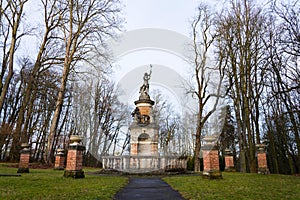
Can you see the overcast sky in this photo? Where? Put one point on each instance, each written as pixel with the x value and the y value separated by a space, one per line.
pixel 165 14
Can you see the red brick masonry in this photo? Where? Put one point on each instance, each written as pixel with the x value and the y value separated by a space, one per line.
pixel 229 161
pixel 59 162
pixel 74 159
pixel 262 160
pixel 24 160
pixel 211 160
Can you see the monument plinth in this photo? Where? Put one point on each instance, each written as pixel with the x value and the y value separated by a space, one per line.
pixel 211 166
pixel 262 159
pixel 74 158
pixel 24 158
pixel 229 162
pixel 59 159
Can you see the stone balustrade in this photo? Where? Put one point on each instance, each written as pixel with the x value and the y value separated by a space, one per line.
pixel 143 163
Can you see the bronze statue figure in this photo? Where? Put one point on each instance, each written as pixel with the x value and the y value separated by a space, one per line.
pixel 145 87
pixel 136 115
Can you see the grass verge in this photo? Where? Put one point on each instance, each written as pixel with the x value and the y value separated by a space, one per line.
pixel 50 184
pixel 237 186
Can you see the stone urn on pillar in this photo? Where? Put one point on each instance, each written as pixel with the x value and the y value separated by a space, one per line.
pixel 229 162
pixel 59 159
pixel 262 159
pixel 24 158
pixel 211 168
pixel 75 158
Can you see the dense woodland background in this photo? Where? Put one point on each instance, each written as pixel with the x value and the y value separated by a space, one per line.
pixel 65 88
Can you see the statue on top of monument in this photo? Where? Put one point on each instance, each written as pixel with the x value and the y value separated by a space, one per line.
pixel 144 89
pixel 141 114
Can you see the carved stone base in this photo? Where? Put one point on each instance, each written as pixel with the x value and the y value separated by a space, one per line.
pixel 263 170
pixel 59 168
pixel 212 174
pixel 23 170
pixel 230 169
pixel 74 173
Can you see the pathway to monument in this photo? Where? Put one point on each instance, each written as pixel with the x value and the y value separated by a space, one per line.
pixel 147 189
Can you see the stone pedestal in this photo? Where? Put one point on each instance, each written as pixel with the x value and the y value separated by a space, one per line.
pixel 229 162
pixel 24 158
pixel 211 166
pixel 60 159
pixel 74 159
pixel 262 159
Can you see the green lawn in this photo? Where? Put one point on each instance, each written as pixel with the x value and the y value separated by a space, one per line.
pixel 237 186
pixel 50 184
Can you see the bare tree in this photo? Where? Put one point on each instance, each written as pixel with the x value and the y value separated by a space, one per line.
pixel 84 27
pixel 45 58
pixel 281 99
pixel 99 116
pixel 289 75
pixel 205 75
pixel 169 123
pixel 9 115
pixel 11 16
pixel 241 31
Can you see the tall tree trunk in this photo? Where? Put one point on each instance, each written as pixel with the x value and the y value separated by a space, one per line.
pixel 69 53
pixel 14 23
pixel 198 144
pixel 57 112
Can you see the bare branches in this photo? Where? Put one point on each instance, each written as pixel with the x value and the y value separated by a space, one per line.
pixel 13 13
pixel 85 23
pixel 208 78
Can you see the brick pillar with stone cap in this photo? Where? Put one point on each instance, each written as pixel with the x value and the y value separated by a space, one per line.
pixel 74 158
pixel 24 158
pixel 211 166
pixel 229 162
pixel 262 159
pixel 59 159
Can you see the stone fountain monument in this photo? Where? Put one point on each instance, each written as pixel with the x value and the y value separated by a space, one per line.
pixel 144 131
pixel 144 155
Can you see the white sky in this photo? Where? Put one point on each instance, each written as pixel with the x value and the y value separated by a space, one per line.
pixel 165 14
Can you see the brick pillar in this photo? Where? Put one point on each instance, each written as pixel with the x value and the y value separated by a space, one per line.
pixel 133 149
pixel 262 159
pixel 24 158
pixel 74 158
pixel 229 162
pixel 211 166
pixel 60 159
pixel 154 148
